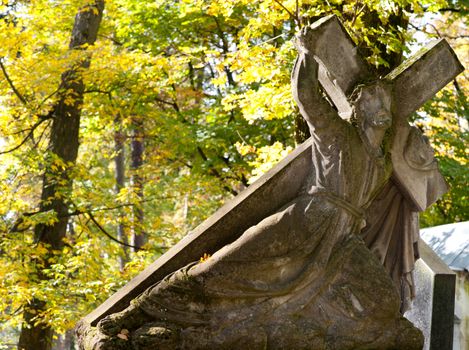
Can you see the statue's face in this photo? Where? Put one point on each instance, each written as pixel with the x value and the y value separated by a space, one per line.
pixel 418 153
pixel 373 106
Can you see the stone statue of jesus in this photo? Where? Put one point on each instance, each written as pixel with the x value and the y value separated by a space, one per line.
pixel 302 278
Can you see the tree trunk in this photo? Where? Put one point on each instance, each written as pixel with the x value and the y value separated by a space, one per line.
pixel 57 184
pixel 119 162
pixel 396 22
pixel 138 238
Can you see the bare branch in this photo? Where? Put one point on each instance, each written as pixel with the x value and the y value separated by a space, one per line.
pixel 108 234
pixel 10 82
pixel 437 32
pixel 28 136
pixel 50 95
pixel 295 18
pixel 214 171
pixel 98 91
pixel 449 9
pixel 357 12
pixel 114 40
pixel 79 212
pixel 172 104
pixel 297 12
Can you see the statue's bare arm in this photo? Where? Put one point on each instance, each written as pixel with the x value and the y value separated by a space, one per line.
pixel 305 86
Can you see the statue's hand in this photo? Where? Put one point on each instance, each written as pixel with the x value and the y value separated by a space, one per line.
pixel 303 40
pixel 110 325
pixel 300 45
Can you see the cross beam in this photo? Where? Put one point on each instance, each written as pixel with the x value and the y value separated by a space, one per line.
pixel 421 76
pixel 414 82
pixel 342 67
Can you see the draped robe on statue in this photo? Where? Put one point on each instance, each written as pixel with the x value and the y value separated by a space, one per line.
pixel 392 230
pixel 295 243
pixel 287 252
pixel 392 234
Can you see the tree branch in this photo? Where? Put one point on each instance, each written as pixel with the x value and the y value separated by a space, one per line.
pixel 437 32
pixel 114 40
pixel 91 216
pixel 172 104
pixel 28 136
pixel 449 9
pixel 295 18
pixel 10 82
pixel 214 171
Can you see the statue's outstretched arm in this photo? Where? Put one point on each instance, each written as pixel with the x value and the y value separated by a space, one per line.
pixel 305 85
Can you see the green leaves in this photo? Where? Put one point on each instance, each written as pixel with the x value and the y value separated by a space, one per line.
pixel 210 82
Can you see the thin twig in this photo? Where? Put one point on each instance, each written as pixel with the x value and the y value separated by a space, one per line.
pixel 108 234
pixel 449 9
pixel 297 13
pixel 356 14
pixel 22 142
pixel 289 12
pixel 271 39
pixel 26 138
pixel 41 136
pixel 437 32
pixel 10 82
pixel 50 95
pixel 215 172
pixel 115 41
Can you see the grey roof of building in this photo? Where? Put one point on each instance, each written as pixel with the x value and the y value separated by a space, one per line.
pixel 450 242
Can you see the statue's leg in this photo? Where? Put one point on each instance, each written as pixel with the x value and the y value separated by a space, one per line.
pixel 268 259
pixel 130 318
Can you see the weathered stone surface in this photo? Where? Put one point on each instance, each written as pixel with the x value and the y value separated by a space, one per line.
pixel 415 168
pixel 341 67
pixel 422 76
pixel 336 313
pixel 329 40
pixel 415 81
pixel 289 269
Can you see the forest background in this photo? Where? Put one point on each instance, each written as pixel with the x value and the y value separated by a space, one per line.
pixel 124 124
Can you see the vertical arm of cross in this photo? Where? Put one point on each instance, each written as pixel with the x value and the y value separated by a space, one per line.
pixel 341 67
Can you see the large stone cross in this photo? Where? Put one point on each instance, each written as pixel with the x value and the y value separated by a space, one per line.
pixel 342 68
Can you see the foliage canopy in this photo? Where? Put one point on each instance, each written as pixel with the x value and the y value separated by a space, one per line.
pixel 204 84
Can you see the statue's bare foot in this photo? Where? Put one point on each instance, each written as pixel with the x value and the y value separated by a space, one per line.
pixel 130 318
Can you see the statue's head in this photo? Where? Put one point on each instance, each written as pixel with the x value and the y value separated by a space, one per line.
pixel 418 153
pixel 371 104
